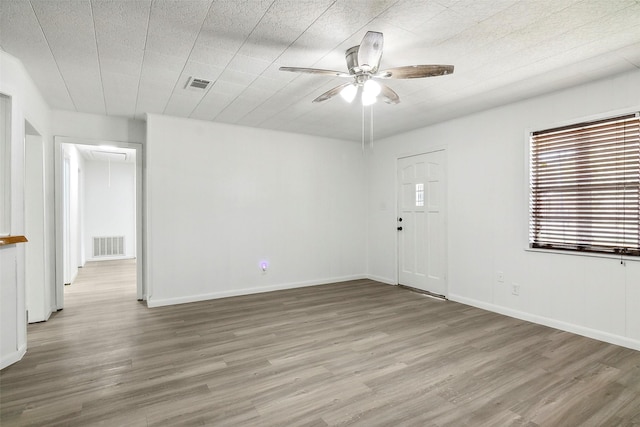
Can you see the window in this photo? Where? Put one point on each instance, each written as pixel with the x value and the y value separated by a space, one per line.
pixel 419 194
pixel 584 187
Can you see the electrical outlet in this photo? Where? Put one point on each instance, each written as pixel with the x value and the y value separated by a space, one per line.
pixel 515 289
pixel 500 276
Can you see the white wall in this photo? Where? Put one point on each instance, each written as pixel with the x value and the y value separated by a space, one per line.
pixel 96 127
pixel 487 223
pixel 38 296
pixel 27 105
pixel 222 198
pixel 109 204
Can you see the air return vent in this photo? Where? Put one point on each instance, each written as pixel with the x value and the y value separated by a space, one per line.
pixel 108 246
pixel 197 84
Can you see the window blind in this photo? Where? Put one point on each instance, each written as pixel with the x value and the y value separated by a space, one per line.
pixel 584 187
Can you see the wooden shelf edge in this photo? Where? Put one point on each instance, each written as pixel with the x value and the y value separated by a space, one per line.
pixel 12 240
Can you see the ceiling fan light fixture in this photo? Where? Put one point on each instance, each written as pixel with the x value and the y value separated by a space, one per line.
pixel 370 91
pixel 348 93
pixel 372 88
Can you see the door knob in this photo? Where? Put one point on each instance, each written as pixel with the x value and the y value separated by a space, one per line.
pixel 399 228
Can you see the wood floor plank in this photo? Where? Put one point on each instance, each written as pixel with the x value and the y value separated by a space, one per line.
pixel 357 353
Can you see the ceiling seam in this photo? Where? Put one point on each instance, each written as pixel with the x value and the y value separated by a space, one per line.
pixel 44 35
pixel 144 55
pixel 95 37
pixel 227 65
pixel 189 56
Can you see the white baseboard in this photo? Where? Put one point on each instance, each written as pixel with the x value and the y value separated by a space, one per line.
pixel 159 302
pixel 382 279
pixel 109 258
pixel 10 359
pixel 553 323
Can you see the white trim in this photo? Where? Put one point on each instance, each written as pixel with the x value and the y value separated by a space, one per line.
pixel 16 356
pixel 553 323
pixel 624 258
pixel 154 302
pixel 140 245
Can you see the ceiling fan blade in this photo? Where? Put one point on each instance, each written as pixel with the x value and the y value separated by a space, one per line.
pixel 331 92
pixel 415 71
pixel 315 71
pixel 389 95
pixel 370 51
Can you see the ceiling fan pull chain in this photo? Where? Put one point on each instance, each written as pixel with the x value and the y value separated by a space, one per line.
pixel 371 127
pixel 363 129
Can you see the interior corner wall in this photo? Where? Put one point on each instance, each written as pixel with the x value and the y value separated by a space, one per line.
pixel 223 199
pixel 27 104
pixel 488 224
pixel 109 205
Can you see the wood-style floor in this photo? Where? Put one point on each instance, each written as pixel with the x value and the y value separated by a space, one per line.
pixel 356 353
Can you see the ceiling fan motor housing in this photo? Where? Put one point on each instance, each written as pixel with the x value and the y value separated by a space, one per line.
pixel 351 55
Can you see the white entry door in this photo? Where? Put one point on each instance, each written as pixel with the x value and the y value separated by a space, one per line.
pixel 422 245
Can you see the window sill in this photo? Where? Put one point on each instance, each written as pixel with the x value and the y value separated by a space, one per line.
pixel 584 254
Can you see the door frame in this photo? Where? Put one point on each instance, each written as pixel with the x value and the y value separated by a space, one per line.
pixel 431 149
pixel 141 290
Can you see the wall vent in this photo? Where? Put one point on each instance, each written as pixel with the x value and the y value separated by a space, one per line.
pixel 197 84
pixel 108 246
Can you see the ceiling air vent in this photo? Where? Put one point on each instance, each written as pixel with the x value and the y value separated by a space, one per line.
pixel 197 84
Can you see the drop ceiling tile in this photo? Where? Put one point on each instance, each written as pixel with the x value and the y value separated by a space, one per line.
pixel 121 91
pixel 268 84
pixel 229 23
pixel 480 10
pixel 211 105
pixel 412 14
pixel 124 63
pixel 159 68
pixel 228 88
pixel 121 27
pixel 174 25
pixel 256 118
pixel 247 64
pixel 211 55
pixel 182 103
pixel 237 77
pixel 235 110
pixel 84 83
pixel 152 98
pixel 444 26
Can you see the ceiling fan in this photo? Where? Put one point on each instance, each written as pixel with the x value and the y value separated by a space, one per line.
pixel 363 62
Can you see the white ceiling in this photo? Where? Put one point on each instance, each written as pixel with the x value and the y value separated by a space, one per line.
pixel 131 57
pixel 106 153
